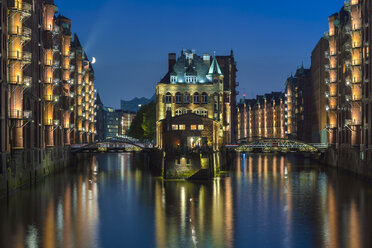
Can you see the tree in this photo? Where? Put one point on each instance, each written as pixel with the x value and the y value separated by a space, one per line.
pixel 143 126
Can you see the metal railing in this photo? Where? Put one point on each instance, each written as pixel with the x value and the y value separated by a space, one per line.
pixel 23 32
pixel 20 55
pixel 20 114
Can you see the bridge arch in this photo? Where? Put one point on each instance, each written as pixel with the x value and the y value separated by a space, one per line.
pixel 277 144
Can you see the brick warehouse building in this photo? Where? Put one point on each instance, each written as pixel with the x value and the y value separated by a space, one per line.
pixel 47 89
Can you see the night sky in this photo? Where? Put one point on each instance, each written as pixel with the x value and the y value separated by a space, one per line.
pixel 131 39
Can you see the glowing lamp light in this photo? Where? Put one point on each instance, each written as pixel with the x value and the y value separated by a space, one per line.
pixel 94 60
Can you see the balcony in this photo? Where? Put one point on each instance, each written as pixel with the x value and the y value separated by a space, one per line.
pixel 56 64
pixel 330 126
pixel 27 81
pixel 56 30
pixel 25 57
pixel 329 81
pixel 24 33
pixel 348 29
pixel 56 123
pixel 353 122
pixel 56 48
pixel 19 81
pixel 48 98
pixel 56 82
pixel 347 46
pixel 326 35
pixel 330 108
pixel 356 98
pixel 357 62
pixel 20 115
pixel 329 68
pixel 327 55
pixel 357 45
pixel 24 8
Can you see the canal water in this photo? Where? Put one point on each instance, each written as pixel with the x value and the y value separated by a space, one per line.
pixel 267 201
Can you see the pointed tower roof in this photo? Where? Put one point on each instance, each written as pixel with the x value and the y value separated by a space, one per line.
pixel 215 68
pixel 98 100
pixel 77 41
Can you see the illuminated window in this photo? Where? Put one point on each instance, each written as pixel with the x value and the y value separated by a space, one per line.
pixel 193 127
pixel 182 127
pixel 174 127
pixel 201 127
pixel 173 79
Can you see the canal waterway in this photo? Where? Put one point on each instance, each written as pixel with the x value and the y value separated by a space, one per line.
pixel 267 201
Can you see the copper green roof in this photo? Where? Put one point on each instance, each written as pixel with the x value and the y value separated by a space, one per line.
pixel 215 68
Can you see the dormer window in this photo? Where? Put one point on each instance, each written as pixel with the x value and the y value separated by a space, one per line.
pixel 173 79
pixel 190 79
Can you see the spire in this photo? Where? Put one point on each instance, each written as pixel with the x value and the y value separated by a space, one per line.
pixel 98 100
pixel 215 68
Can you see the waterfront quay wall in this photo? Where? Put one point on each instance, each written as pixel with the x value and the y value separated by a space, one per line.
pixel 196 165
pixel 23 168
pixel 350 159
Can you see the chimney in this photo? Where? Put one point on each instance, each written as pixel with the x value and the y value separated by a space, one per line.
pixel 207 59
pixel 171 60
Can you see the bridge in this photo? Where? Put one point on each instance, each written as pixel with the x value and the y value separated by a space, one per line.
pixel 268 145
pixel 116 145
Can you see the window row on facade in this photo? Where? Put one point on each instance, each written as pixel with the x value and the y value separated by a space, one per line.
pixel 179 98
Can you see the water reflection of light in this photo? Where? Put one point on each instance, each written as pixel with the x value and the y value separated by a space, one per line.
pixel 332 219
pixel 59 220
pixel 32 237
pixel 250 169
pixel 354 227
pixel 183 208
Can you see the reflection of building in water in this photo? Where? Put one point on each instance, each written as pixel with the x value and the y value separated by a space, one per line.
pixel 70 220
pixel 187 214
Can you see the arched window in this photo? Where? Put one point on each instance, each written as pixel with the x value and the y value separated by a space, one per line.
pixel 204 98
pixel 178 98
pixel 181 111
pixel 186 98
pixel 168 98
pixel 196 98
pixel 202 112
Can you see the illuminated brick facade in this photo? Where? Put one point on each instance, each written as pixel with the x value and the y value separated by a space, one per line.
pixel 348 70
pixel 263 117
pixel 37 81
